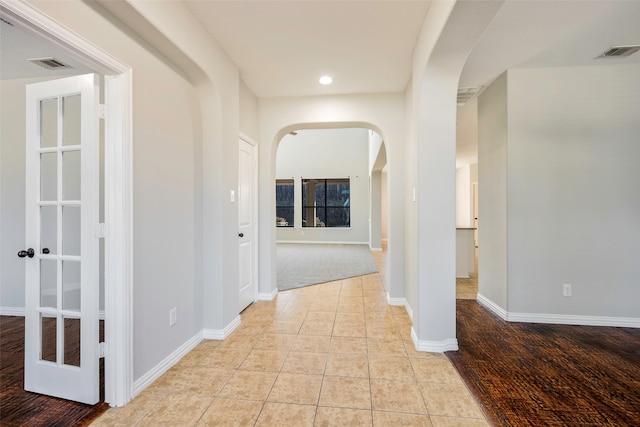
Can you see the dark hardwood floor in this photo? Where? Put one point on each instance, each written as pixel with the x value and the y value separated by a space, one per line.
pixel 548 375
pixel 21 408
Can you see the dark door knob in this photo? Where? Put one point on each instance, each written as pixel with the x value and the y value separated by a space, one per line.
pixel 29 252
pixel 45 251
pixel 240 234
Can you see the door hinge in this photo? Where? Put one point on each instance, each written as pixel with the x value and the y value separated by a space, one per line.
pixel 102 349
pixel 101 231
pixel 102 111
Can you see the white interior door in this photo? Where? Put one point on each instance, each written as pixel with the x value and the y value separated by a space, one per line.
pixel 61 289
pixel 247 216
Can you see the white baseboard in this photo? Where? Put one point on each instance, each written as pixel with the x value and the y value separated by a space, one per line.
pixel 220 334
pixel 569 319
pixel 162 367
pixel 559 319
pixel 375 249
pixel 449 344
pixel 11 311
pixel 463 277
pixel 401 302
pixel 267 296
pixel 495 308
pixel 409 310
pixel 395 301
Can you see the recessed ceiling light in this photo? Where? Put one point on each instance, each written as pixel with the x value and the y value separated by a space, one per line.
pixel 326 80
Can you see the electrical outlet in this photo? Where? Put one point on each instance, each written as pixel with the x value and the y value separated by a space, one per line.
pixel 173 316
pixel 566 290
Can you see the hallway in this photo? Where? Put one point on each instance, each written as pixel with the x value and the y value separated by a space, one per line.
pixel 329 354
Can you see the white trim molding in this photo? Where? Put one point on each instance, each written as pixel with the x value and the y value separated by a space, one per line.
pixel 409 310
pixel 156 372
pixel 220 334
pixel 400 302
pixel 495 308
pixel 267 296
pixel 396 301
pixel 11 311
pixel 559 319
pixel 571 319
pixel 449 344
pixel 119 241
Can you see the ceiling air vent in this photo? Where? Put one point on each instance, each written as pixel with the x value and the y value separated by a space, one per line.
pixel 466 93
pixel 50 63
pixel 620 51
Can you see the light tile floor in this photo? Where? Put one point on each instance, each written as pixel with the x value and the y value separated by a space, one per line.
pixel 333 354
pixel 467 288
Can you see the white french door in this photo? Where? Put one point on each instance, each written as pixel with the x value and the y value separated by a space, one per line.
pixel 62 252
pixel 247 218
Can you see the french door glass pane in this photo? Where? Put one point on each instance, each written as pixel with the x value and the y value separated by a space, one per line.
pixel 71 230
pixel 49 176
pixel 71 175
pixel 71 285
pixel 48 283
pixel 49 228
pixel 49 122
pixel 71 120
pixel 48 340
pixel 71 341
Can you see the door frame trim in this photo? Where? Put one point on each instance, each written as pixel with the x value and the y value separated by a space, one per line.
pixel 118 193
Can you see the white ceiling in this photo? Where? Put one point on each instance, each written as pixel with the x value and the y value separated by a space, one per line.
pixel 283 47
pixel 532 34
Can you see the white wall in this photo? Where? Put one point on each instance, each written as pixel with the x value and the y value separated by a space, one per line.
pixel 328 153
pixel 573 187
pixel 467 133
pixel 377 161
pixel 560 191
pixel 384 226
pixel 248 113
pixel 492 190
pixel 375 145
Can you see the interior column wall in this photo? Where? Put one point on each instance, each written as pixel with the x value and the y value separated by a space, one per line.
pixel 449 33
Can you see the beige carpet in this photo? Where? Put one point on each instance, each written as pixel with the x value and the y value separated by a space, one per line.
pixel 309 264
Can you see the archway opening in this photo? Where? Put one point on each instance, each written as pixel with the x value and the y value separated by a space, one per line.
pixel 328 200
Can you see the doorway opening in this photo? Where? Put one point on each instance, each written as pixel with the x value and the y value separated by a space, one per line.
pixel 40 31
pixel 329 204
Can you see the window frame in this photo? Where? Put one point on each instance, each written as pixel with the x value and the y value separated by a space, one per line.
pixel 325 206
pixel 281 183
